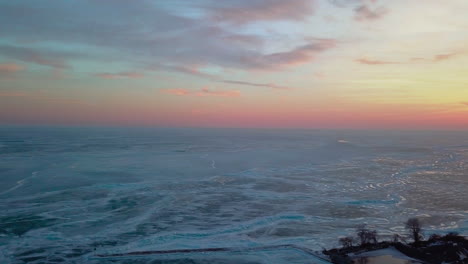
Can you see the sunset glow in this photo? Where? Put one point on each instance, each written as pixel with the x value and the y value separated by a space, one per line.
pixel 384 64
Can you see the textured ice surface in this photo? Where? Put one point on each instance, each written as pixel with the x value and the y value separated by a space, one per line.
pixel 67 194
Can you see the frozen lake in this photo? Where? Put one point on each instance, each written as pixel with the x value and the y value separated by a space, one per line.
pixel 68 193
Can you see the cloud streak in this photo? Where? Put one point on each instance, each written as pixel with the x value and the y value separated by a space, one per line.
pixel 49 58
pixel 438 57
pixel 159 36
pixel 366 13
pixel 266 85
pixel 248 11
pixel 300 55
pixel 442 57
pixel 203 92
pixel 190 70
pixel 10 68
pixel 120 75
pixel 374 62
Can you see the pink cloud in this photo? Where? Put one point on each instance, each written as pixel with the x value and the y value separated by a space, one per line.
pixel 374 62
pixel 248 11
pixel 267 85
pixel 176 91
pixel 464 103
pixel 441 57
pixel 365 13
pixel 257 61
pixel 120 75
pixel 299 55
pixel 205 91
pixel 437 57
pixel 244 39
pixel 41 57
pixel 55 63
pixel 223 93
pixel 10 68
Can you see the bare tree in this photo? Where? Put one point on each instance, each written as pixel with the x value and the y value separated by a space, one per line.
pixel 366 236
pixel 346 242
pixel 372 236
pixel 397 238
pixel 362 260
pixel 414 227
pixel 361 232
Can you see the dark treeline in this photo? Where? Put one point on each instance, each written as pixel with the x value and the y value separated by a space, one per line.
pixel 448 248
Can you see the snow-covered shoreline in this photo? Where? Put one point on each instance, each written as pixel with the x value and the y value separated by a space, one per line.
pixel 450 248
pixel 387 255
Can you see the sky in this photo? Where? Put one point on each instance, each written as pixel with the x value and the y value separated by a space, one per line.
pixel 358 64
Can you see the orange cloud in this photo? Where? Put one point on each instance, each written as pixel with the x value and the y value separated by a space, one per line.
pixel 437 57
pixel 441 57
pixel 205 91
pixel 176 91
pixel 374 62
pixel 10 68
pixel 120 75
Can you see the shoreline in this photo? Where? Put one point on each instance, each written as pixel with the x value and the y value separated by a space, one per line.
pixel 450 249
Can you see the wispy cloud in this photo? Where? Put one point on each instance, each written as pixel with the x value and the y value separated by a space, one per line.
pixel 267 85
pixel 49 58
pixel 8 68
pixel 224 93
pixel 120 75
pixel 205 91
pixel 299 55
pixel 418 59
pixel 434 59
pixel 464 103
pixel 374 62
pixel 346 3
pixel 177 91
pixel 162 34
pixel 366 13
pixel 190 70
pixel 246 11
pixel 438 57
pixel 247 60
pixel 441 57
